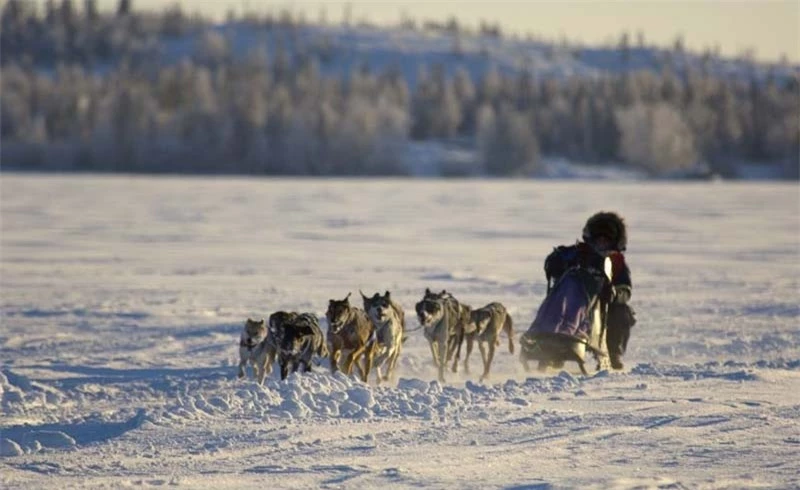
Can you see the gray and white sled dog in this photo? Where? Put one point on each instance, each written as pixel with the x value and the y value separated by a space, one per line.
pixel 387 341
pixel 302 339
pixel 253 349
pixel 443 319
pixel 484 327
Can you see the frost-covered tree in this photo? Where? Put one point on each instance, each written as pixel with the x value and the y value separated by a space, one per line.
pixel 129 120
pixel 90 10
pixel 507 143
pixel 213 49
pixel 436 107
pixel 656 138
pixel 490 86
pixel 465 93
pixel 174 22
pixel 123 7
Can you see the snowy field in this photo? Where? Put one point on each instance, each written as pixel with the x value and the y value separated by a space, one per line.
pixel 123 298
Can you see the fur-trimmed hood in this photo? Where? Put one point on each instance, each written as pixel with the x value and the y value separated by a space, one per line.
pixel 610 224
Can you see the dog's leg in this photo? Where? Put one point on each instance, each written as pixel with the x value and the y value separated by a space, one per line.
pixel 391 356
pixel 258 367
pixel 270 358
pixel 482 348
pixel 392 353
pixel 335 354
pixel 351 360
pixel 382 359
pixel 389 360
pixel 454 348
pixel 488 363
pixel 242 366
pixel 434 354
pixel 508 327
pixel 379 360
pixel 387 363
pixel 369 362
pixel 461 331
pixel 347 367
pixel 470 345
pixel 393 362
pixel 284 369
pixel 442 350
pixel 453 344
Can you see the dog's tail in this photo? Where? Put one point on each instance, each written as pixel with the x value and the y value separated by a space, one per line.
pixel 508 327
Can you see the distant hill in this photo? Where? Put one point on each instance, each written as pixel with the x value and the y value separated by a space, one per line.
pixel 166 92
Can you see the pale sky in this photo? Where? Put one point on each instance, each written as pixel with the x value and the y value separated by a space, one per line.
pixel 770 27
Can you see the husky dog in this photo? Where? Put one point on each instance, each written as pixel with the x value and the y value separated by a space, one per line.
pixel 463 313
pixel 484 327
pixel 301 340
pixel 275 323
pixel 387 317
pixel 349 328
pixel 444 320
pixel 253 348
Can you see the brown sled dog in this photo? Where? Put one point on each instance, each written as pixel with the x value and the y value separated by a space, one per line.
pixel 484 327
pixel 349 329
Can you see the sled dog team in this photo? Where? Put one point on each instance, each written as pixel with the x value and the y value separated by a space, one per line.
pixel 586 311
pixel 372 337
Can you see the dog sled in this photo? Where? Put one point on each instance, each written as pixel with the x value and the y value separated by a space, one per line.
pixel 571 321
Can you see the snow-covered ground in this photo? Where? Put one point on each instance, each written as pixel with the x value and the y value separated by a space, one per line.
pixel 123 298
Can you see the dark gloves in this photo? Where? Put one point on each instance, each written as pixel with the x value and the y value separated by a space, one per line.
pixel 620 317
pixel 622 294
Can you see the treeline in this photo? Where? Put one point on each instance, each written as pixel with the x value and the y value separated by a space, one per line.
pixel 62 33
pixel 257 114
